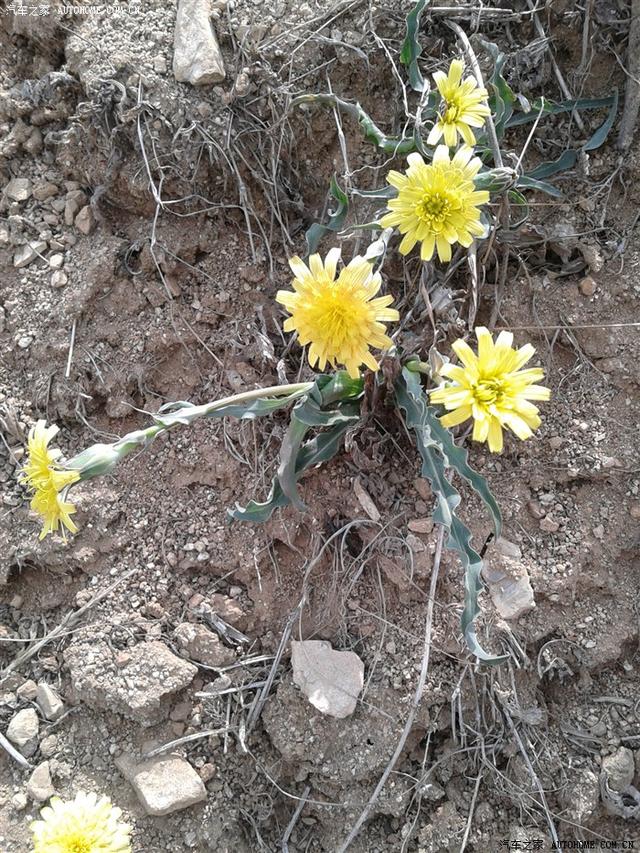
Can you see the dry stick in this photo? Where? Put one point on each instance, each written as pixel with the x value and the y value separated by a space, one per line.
pixel 556 69
pixel 70 619
pixel 20 759
pixel 417 696
pixel 472 809
pixel 632 91
pixel 294 819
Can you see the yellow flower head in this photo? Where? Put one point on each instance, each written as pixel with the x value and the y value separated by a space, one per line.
pixel 463 107
pixel 339 317
pixel 437 203
pixel 84 825
pixel 43 476
pixel 491 388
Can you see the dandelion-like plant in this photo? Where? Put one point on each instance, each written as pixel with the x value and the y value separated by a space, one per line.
pixel 491 388
pixel 338 317
pixel 437 203
pixel 44 477
pixel 87 824
pixel 463 107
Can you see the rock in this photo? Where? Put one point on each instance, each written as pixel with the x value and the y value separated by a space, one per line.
pixel 19 802
pixel 85 221
pixel 138 683
pixel 25 341
pixel 165 784
pixel 59 279
pixel 56 261
pixel 420 525
pixel 48 746
pixel 29 252
pixel 203 645
pixel 49 702
pixel 509 585
pixel 45 190
pixel 581 796
pixel 160 64
pixel 39 786
pixel 227 609
pixel 23 731
pixel 619 769
pixel 331 680
pixel 549 525
pixel 28 690
pixel 18 189
pixel 587 286
pixel 196 55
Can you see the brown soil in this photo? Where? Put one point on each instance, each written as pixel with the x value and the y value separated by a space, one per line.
pixel 175 301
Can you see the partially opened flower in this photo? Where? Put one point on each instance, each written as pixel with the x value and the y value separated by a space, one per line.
pixel 84 825
pixel 48 482
pixel 463 107
pixel 491 388
pixel 338 317
pixel 437 203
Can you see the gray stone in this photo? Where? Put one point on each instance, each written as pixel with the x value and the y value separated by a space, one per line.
pixel 196 55
pixel 581 796
pixel 85 221
pixel 49 702
pixel 56 261
pixel 331 680
pixel 509 585
pixel 619 769
pixel 28 690
pixel 23 731
pixel 24 255
pixel 39 786
pixel 18 189
pixel 45 190
pixel 59 279
pixel 203 645
pixel 48 746
pixel 138 683
pixel 164 784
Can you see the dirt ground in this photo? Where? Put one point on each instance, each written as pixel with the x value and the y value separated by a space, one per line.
pixel 161 217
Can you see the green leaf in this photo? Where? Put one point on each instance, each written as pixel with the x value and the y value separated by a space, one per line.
pixel 552 108
pixel 320 449
pixel 372 133
pixel 528 183
pixel 411 48
pixel 178 412
pixel 438 450
pixel 501 96
pixel 336 218
pixel 518 202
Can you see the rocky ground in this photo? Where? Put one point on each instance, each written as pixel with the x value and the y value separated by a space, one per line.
pixel 145 226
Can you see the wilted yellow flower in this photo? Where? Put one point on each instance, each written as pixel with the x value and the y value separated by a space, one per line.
pixel 463 107
pixel 437 203
pixel 84 825
pixel 339 318
pixel 491 388
pixel 46 479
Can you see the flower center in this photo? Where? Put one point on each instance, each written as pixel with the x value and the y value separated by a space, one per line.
pixel 77 845
pixel 489 391
pixel 451 113
pixel 434 207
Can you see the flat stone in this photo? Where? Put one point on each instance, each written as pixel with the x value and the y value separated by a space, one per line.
pixel 509 585
pixel 23 731
pixel 164 784
pixel 39 786
pixel 139 682
pixel 49 702
pixel 18 189
pixel 28 690
pixel 45 190
pixel 203 645
pixel 619 769
pixel 24 255
pixel 85 220
pixel 196 55
pixel 331 680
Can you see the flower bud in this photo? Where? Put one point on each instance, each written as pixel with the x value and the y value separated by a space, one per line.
pixel 496 180
pixel 94 461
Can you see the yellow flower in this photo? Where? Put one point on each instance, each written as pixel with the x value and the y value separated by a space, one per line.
pixel 492 389
pixel 463 107
pixel 437 203
pixel 338 317
pixel 43 476
pixel 84 825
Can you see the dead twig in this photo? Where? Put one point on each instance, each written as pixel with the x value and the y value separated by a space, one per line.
pixel 417 696
pixel 294 819
pixel 632 91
